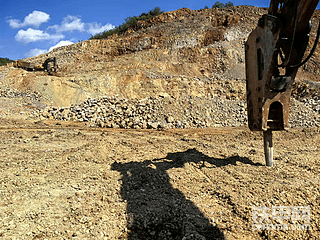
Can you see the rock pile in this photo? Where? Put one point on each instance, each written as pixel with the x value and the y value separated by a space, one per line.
pixel 303 113
pixel 154 113
pixel 308 92
pixel 313 103
pixel 10 93
pixel 165 112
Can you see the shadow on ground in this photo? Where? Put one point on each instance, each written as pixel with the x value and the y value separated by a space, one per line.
pixel 156 210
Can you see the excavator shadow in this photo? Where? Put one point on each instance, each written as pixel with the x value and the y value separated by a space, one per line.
pixel 157 210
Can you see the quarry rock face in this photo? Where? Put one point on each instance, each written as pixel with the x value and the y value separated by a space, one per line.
pixel 186 63
pixel 178 53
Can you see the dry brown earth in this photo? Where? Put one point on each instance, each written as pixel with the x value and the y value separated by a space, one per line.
pixel 69 181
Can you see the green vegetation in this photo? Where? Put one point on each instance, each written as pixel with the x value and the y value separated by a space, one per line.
pixel 218 4
pixel 4 61
pixel 129 22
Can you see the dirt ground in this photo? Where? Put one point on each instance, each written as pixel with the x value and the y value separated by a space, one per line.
pixel 63 180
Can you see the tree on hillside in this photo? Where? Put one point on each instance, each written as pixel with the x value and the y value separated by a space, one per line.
pixel 155 12
pixel 4 61
pixel 229 4
pixel 219 4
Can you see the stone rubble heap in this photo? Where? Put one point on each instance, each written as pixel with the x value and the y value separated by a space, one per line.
pixel 313 103
pixel 154 113
pixel 308 92
pixel 166 112
pixel 303 113
pixel 305 104
pixel 163 112
pixel 10 93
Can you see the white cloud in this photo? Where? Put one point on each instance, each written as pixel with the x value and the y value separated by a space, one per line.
pixel 73 23
pixel 35 52
pixel 35 19
pixel 14 23
pixel 32 35
pixel 60 44
pixel 69 24
pixel 94 28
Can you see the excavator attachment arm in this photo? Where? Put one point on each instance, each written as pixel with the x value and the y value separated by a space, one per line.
pixel 274 52
pixel 46 65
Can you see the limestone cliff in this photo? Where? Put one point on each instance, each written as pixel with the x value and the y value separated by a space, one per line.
pixel 179 53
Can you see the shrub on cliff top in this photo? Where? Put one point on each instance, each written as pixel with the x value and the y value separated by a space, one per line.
pixel 218 4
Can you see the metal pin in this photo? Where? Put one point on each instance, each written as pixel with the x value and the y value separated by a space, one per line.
pixel 268 147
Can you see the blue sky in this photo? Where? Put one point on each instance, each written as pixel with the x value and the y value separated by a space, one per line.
pixel 30 27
